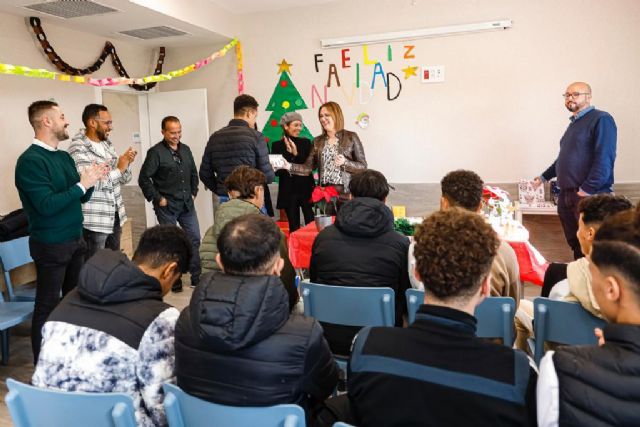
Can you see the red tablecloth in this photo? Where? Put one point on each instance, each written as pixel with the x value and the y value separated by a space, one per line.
pixel 532 264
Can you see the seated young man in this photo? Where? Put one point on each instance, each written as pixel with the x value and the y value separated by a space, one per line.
pixel 463 189
pixel 113 333
pixel 437 372
pixel 237 344
pixel 362 249
pixel 600 385
pixel 576 287
pixel 245 186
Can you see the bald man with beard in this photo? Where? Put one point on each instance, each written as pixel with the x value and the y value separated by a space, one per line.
pixel 584 166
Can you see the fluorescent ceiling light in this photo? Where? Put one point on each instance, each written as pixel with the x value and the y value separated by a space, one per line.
pixel 415 34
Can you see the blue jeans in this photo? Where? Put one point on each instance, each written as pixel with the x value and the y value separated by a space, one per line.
pixel 96 240
pixel 188 221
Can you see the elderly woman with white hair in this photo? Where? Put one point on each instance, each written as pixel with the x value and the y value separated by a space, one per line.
pixel 294 191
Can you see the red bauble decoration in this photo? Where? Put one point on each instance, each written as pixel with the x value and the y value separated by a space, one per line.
pixel 274 123
pixel 283 83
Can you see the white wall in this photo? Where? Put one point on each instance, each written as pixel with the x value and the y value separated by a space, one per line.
pixel 219 78
pixel 499 112
pixel 18 47
pixel 125 114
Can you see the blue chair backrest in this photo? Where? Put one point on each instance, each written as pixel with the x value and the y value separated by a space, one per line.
pixel 495 315
pixel 495 318
pixel 32 406
pixel 184 410
pixel 562 322
pixel 351 306
pixel 13 254
pixel 415 298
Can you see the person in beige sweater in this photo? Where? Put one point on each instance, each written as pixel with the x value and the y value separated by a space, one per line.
pixel 577 286
pixel 463 189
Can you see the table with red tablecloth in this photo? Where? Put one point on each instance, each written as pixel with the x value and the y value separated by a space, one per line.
pixel 532 264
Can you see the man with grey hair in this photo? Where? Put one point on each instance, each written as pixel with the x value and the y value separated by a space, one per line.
pixel 294 192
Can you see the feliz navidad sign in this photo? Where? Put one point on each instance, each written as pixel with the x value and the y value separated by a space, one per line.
pixel 361 74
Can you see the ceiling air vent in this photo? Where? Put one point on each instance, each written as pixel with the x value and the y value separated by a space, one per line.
pixel 71 8
pixel 153 33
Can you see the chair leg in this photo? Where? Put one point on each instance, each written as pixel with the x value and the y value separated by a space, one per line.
pixel 5 346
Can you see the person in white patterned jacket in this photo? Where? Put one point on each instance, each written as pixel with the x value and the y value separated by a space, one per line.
pixel 104 213
pixel 113 333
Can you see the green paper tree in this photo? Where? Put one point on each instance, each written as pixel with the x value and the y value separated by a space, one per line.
pixel 285 99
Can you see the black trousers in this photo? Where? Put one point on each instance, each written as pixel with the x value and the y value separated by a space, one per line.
pixel 568 212
pixel 297 202
pixel 58 267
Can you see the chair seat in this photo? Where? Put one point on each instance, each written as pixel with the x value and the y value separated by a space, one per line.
pixel 14 313
pixel 24 292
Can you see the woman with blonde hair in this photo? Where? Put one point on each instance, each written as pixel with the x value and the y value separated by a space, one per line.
pixel 337 152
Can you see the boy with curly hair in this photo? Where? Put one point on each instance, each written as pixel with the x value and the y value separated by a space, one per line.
pixel 437 372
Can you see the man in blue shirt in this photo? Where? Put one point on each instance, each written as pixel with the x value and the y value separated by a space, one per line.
pixel 584 166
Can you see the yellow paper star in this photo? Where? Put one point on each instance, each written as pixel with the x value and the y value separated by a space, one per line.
pixel 409 71
pixel 284 66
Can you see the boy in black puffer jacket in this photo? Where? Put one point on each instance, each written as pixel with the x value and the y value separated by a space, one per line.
pixel 236 343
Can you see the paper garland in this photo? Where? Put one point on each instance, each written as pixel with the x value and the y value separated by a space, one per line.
pixel 240 68
pixel 40 73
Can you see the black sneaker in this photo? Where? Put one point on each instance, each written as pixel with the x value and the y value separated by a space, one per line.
pixel 177 287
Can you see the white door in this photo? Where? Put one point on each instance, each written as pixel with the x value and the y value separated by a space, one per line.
pixel 190 106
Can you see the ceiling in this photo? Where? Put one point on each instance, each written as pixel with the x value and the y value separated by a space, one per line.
pixel 129 16
pixel 252 6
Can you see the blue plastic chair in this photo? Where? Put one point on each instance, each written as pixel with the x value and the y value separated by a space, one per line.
pixel 350 306
pixel 495 315
pixel 11 314
pixel 184 410
pixel 415 298
pixel 32 406
pixel 13 254
pixel 564 323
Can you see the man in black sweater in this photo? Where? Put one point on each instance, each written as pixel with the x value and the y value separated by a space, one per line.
pixel 437 372
pixel 234 145
pixel 600 385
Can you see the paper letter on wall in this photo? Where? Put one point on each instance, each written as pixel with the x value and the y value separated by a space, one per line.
pixel 333 71
pixel 407 52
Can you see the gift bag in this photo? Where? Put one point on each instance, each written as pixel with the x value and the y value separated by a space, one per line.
pixel 528 194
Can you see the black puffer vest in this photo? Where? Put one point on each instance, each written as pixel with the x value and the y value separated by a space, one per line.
pixel 600 386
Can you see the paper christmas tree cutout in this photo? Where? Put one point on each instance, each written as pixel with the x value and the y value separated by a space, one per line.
pixel 285 99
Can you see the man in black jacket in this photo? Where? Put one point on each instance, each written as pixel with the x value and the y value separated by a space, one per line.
pixel 362 249
pixel 169 179
pixel 236 343
pixel 234 145
pixel 113 333
pixel 600 385
pixel 437 372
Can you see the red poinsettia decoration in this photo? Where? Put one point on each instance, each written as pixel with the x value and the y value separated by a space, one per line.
pixel 321 196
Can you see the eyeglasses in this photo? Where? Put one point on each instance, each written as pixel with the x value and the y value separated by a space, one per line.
pixel 574 95
pixel 107 122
